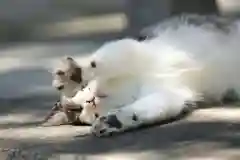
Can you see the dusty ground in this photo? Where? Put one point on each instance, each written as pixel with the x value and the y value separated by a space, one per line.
pixel 206 134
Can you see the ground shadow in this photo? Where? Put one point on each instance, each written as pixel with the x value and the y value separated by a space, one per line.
pixel 139 14
pixel 164 139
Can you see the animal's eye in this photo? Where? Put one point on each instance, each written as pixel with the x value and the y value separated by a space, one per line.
pixel 59 72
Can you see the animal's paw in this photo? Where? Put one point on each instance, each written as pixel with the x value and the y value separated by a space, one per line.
pixel 107 126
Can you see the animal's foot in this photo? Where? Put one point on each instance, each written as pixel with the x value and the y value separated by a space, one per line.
pixel 107 126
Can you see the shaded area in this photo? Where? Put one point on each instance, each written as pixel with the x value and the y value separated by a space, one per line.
pixel 165 137
pixel 25 111
pixel 28 20
pixel 33 20
pixel 180 139
pixel 25 68
pixel 22 105
pixel 24 79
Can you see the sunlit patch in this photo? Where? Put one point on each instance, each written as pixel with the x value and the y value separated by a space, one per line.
pixel 86 25
pixel 18 118
pixel 41 133
pixel 226 114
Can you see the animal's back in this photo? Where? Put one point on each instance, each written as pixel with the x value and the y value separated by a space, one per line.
pixel 199 53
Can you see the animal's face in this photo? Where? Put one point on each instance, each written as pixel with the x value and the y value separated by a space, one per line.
pixel 67 75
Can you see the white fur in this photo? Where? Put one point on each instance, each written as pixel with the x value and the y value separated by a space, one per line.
pixel 154 78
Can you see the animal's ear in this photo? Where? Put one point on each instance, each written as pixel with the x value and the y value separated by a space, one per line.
pixel 76 75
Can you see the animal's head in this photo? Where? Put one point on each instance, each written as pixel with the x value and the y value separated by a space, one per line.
pixel 68 75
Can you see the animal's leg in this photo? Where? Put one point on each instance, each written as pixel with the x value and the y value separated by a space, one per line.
pixel 59 115
pixel 59 118
pixel 153 108
pixel 56 107
pixel 62 113
pixel 86 108
pixel 85 102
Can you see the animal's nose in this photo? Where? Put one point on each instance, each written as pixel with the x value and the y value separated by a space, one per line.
pixel 60 87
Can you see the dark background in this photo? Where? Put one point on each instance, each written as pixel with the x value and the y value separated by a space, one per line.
pixel 35 32
pixel 24 20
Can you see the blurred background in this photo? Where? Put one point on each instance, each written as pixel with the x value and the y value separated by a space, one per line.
pixel 34 33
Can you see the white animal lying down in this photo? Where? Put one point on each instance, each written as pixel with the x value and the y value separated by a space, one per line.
pixel 150 81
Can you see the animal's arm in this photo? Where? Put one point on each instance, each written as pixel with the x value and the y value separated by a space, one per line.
pixel 64 111
pixel 58 116
pixel 86 101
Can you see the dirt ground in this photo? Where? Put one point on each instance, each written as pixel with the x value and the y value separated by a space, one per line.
pixel 206 134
